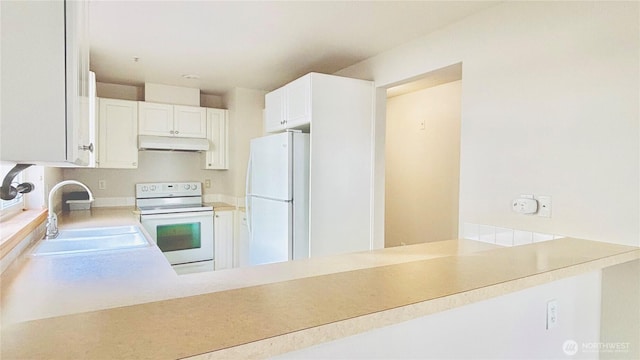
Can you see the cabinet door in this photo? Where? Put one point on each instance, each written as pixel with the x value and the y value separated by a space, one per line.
pixel 155 119
pixel 45 78
pixel 274 111
pixel 217 157
pixel 117 134
pixel 223 237
pixel 78 83
pixel 190 121
pixel 298 102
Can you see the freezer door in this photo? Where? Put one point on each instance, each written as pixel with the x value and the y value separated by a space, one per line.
pixel 271 168
pixel 270 239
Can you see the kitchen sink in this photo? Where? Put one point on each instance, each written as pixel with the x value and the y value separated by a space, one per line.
pixel 92 239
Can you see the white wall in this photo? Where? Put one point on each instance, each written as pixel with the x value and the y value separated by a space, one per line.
pixel 508 327
pixel 137 93
pixel 245 123
pixel 153 166
pixel 550 106
pixel 122 92
pixel 423 165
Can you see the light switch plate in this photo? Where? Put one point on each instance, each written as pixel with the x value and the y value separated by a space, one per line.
pixel 544 206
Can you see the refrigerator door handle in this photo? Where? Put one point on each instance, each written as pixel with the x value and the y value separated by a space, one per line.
pixel 247 194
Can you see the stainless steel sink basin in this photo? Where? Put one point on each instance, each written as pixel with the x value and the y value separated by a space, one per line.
pixel 92 239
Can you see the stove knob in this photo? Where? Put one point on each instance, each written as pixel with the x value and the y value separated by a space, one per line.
pixel 145 188
pixel 187 186
pixel 153 188
pixel 194 186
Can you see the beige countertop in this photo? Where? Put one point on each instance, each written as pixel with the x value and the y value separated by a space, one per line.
pixel 143 275
pixel 130 304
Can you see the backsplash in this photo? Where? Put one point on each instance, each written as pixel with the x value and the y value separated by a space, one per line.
pixel 504 236
pixel 131 201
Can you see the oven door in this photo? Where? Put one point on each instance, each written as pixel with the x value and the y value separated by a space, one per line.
pixel 182 237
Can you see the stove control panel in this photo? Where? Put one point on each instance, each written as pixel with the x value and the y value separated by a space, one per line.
pixel 179 189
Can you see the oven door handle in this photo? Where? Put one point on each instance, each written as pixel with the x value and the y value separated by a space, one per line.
pixel 176 215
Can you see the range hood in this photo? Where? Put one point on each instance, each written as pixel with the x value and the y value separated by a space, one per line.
pixel 146 142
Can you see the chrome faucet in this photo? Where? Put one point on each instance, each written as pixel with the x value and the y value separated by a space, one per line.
pixel 52 219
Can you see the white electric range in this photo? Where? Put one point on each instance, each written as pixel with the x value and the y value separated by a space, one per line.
pixel 179 223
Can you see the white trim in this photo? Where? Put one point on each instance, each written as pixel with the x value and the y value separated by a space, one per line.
pixel 35 235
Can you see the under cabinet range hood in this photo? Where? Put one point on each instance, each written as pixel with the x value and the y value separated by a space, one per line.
pixel 146 142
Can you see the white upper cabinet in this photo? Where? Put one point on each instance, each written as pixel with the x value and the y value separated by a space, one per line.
pixel 298 102
pixel 117 134
pixel 78 83
pixel 289 107
pixel 45 82
pixel 189 121
pixel 274 111
pixel 172 120
pixel 217 157
pixel 155 119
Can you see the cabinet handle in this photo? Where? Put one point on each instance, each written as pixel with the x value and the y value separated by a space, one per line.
pixel 177 132
pixel 170 131
pixel 209 164
pixel 86 147
pixel 217 216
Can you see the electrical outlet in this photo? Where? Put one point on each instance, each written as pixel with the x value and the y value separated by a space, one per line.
pixel 552 314
pixel 207 183
pixel 102 184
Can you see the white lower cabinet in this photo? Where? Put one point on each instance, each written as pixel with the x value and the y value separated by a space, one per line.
pixel 117 134
pixel 223 237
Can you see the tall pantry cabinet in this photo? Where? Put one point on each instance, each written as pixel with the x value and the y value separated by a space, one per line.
pixel 338 113
pixel 45 82
pixel 217 157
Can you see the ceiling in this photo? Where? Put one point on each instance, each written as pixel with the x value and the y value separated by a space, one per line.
pixel 256 45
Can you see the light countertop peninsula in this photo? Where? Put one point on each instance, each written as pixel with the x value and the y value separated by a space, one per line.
pixel 130 303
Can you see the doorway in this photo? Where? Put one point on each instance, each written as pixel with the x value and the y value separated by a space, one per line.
pixel 422 158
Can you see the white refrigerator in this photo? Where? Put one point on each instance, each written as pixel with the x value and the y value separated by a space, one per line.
pixel 277 198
